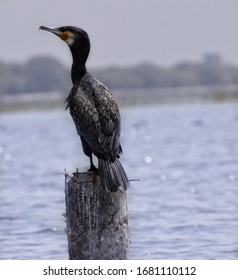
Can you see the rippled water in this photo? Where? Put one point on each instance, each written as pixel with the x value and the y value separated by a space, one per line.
pixel 185 205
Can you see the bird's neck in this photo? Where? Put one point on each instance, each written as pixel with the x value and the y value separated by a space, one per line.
pixel 77 72
pixel 78 69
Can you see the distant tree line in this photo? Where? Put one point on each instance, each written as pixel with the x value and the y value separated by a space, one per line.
pixel 44 74
pixel 41 74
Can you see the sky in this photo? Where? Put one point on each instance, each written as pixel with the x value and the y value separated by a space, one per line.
pixel 123 32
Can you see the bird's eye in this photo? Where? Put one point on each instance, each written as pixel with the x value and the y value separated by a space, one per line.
pixel 64 36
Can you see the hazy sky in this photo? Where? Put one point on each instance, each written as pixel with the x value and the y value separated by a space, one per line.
pixel 123 31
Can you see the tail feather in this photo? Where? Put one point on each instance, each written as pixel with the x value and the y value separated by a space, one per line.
pixel 112 175
pixel 123 175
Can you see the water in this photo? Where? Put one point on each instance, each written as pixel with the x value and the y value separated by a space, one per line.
pixel 185 205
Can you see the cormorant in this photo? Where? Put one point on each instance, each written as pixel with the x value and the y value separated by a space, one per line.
pixel 94 112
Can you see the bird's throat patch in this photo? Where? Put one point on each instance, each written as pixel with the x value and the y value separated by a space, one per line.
pixel 64 36
pixel 68 37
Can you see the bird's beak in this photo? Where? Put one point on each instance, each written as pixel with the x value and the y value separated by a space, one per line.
pixel 63 35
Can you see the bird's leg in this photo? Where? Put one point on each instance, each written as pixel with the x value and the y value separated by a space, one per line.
pixel 92 168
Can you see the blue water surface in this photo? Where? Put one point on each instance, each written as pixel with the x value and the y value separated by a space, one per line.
pixel 185 205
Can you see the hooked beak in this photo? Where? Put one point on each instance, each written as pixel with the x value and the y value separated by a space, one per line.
pixel 64 35
pixel 52 30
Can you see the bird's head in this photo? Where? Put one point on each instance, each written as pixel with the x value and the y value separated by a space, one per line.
pixel 70 34
pixel 78 41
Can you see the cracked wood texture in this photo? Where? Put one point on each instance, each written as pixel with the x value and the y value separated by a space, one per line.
pixel 96 220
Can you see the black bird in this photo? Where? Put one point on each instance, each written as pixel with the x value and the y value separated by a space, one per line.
pixel 94 112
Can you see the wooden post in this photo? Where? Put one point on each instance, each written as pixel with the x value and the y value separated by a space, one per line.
pixel 96 220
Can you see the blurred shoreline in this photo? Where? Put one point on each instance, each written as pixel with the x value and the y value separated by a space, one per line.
pixel 126 97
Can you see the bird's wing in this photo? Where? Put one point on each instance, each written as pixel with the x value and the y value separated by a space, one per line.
pixel 97 118
pixel 107 109
pixel 109 116
pixel 84 114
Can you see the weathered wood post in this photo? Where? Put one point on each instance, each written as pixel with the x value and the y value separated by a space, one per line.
pixel 96 220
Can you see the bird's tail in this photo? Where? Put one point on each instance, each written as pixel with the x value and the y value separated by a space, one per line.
pixel 112 175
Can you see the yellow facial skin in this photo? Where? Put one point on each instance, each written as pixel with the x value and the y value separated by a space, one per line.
pixel 64 35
